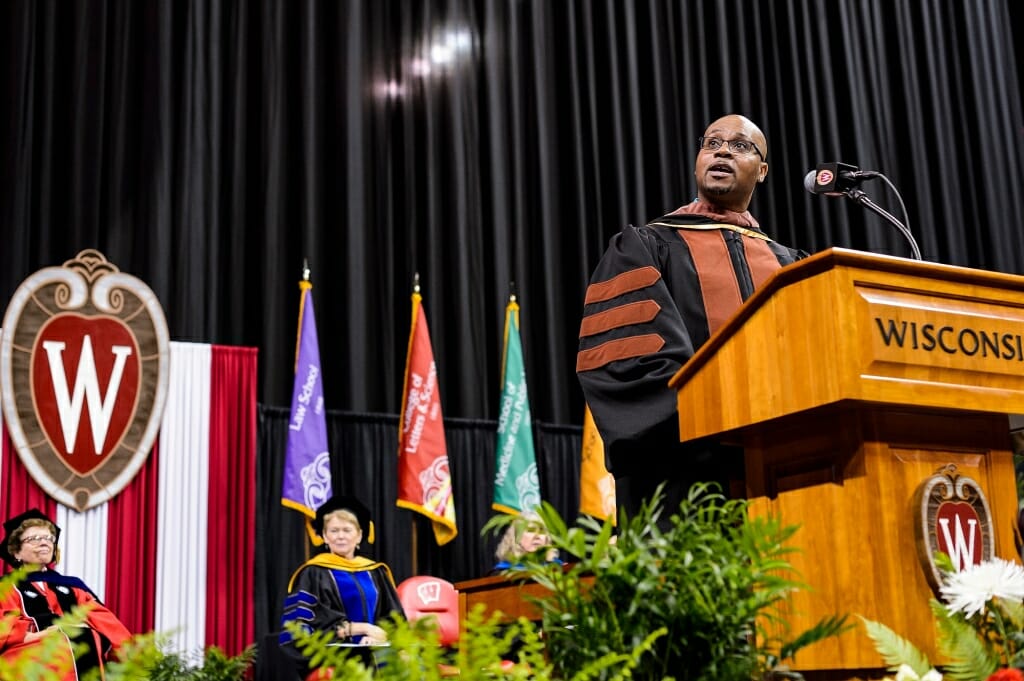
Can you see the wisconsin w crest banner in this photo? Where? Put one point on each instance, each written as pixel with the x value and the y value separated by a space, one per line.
pixel 83 372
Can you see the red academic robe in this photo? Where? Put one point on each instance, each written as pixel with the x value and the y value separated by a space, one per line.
pixel 35 604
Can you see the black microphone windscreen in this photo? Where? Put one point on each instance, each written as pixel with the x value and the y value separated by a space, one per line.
pixel 809 181
pixel 830 179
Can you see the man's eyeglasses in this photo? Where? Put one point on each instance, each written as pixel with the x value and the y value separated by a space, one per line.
pixel 736 146
pixel 43 538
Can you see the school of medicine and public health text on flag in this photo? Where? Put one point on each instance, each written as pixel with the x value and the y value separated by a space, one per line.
pixel 516 483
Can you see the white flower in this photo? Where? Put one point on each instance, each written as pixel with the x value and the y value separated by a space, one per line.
pixel 970 590
pixel 905 673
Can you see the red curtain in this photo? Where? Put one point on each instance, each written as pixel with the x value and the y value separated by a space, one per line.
pixel 133 515
pixel 20 491
pixel 131 548
pixel 229 571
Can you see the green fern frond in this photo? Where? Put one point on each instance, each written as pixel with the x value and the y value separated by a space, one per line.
pixel 826 628
pixel 970 657
pixel 1014 611
pixel 618 666
pixel 894 649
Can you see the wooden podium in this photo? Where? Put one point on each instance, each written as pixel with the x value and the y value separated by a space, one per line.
pixel 498 593
pixel 849 379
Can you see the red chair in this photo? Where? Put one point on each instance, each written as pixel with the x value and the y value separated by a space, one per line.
pixel 425 596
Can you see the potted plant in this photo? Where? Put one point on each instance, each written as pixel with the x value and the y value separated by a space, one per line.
pixel 146 657
pixel 979 622
pixel 696 589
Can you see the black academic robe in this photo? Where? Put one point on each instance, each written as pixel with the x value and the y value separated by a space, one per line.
pixel 656 296
pixel 328 591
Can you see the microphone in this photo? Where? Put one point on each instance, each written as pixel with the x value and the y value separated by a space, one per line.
pixel 835 179
pixel 841 179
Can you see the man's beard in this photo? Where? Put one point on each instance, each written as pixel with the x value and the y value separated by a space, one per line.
pixel 717 190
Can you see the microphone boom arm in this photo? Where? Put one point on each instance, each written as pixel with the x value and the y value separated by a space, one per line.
pixel 863 199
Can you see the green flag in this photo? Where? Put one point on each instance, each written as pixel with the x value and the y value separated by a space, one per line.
pixel 516 485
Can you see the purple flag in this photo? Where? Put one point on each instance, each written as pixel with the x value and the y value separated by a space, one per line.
pixel 307 465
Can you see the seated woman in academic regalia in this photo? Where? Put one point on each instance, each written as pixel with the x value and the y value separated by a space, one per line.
pixel 44 595
pixel 526 534
pixel 337 590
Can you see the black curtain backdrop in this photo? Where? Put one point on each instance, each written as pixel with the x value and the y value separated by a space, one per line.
pixel 363 455
pixel 208 147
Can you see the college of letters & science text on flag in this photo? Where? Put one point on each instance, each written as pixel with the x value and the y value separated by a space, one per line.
pixel 424 477
pixel 516 483
pixel 307 465
pixel 597 485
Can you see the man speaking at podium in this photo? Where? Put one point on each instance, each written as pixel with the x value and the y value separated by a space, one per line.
pixel 657 295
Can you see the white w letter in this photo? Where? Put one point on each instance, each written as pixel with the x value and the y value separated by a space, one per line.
pixel 87 386
pixel 961 552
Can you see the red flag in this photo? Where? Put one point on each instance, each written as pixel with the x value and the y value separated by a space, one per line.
pixel 424 478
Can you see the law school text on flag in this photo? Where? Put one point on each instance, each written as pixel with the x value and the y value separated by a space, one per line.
pixel 307 469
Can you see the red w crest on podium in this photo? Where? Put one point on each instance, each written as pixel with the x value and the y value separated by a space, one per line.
pixel 952 516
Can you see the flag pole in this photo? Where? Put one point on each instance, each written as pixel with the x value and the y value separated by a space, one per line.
pixel 414 540
pixel 305 278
